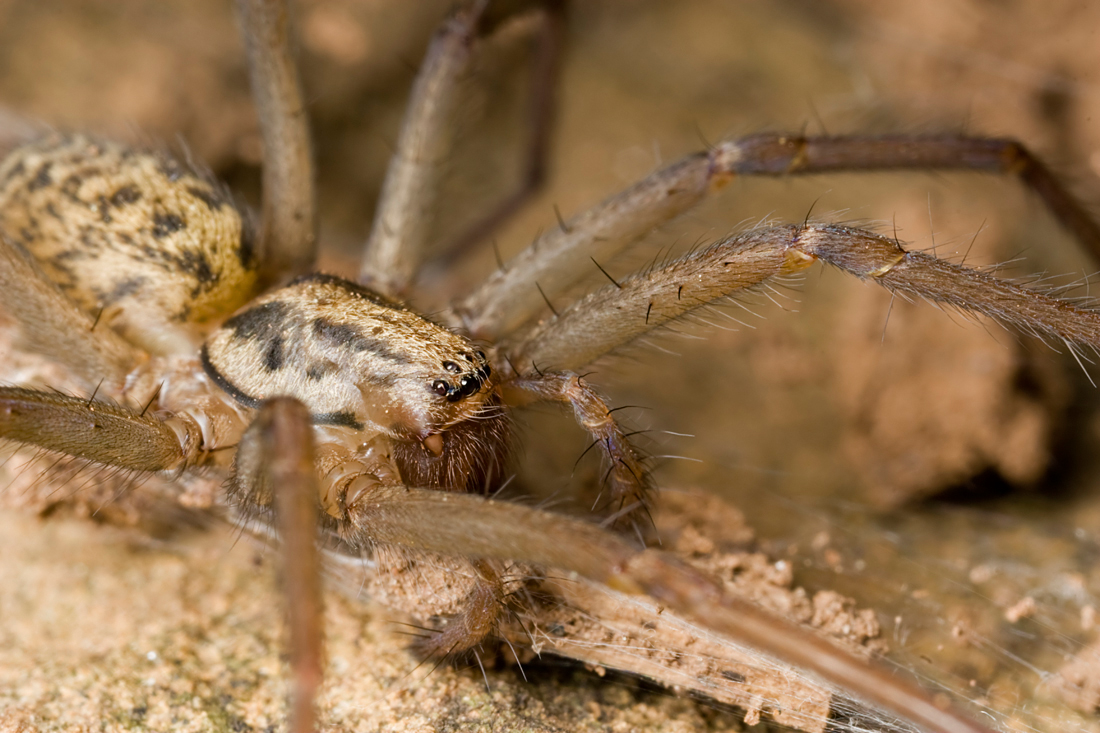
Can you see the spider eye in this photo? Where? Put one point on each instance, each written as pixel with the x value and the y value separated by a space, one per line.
pixel 481 355
pixel 440 387
pixel 468 386
pixel 451 367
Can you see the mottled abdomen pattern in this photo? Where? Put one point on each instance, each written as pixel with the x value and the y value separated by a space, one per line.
pixel 134 238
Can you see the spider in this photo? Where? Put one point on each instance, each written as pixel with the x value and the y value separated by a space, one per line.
pixel 479 378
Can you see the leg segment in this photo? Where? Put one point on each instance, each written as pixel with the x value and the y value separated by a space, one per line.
pixel 399 234
pixel 52 325
pixel 544 83
pixel 560 257
pixel 453 524
pixel 630 483
pixel 288 231
pixel 613 316
pixel 400 230
pixel 97 431
pixel 277 453
pixel 478 621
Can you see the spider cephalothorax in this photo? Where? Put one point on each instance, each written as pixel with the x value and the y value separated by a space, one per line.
pixel 374 368
pixel 132 275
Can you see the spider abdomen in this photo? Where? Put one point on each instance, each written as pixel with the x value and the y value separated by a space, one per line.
pixel 132 237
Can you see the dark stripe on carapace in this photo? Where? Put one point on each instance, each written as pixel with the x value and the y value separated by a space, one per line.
pixel 345 419
pixel 347 336
pixel 273 355
pixel 263 322
pixel 224 384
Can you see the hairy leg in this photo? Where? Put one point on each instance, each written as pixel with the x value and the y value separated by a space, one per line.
pixel 277 453
pixel 550 38
pixel 399 235
pixel 288 230
pixel 615 315
pixel 630 486
pixel 52 325
pixel 560 257
pixel 469 525
pixel 97 431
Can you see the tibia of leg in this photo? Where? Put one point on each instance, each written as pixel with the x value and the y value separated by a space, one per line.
pixel 629 486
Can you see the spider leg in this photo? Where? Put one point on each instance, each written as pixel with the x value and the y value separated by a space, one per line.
pixel 476 623
pixel 288 230
pixel 52 325
pixel 547 68
pixel 346 472
pixel 97 431
pixel 615 315
pixel 465 524
pixel 630 484
pixel 399 235
pixel 279 451
pixel 559 258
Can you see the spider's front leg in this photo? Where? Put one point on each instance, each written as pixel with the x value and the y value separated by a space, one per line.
pixel 562 256
pixel 630 486
pixel 613 316
pixel 401 231
pixel 463 524
pixel 275 463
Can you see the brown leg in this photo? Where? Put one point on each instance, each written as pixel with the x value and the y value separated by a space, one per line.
pixel 783 155
pixel 544 84
pixel 477 622
pixel 615 315
pixel 52 325
pixel 288 231
pixel 462 524
pixel 97 431
pixel 630 485
pixel 276 460
pixel 399 235
pixel 562 256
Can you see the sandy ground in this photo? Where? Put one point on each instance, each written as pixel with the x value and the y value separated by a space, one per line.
pixel 824 423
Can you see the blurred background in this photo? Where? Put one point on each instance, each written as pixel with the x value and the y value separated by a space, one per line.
pixel 941 471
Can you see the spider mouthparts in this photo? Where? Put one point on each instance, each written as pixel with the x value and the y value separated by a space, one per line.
pixel 434 444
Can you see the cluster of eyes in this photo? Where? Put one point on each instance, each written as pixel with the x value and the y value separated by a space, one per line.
pixel 468 385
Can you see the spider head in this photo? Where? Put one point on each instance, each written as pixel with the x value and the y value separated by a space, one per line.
pixel 355 360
